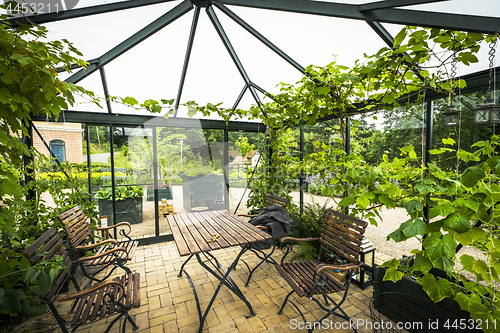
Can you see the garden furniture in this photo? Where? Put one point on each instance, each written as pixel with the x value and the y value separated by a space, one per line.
pixel 96 300
pixel 197 234
pixel 275 221
pixel 341 236
pixel 78 234
pixel 271 200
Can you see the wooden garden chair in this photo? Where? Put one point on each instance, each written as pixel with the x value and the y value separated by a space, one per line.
pixel 271 200
pixel 97 300
pixel 341 236
pixel 80 239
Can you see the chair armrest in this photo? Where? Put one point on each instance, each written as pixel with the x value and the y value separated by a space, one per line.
pixel 246 215
pixel 263 227
pixel 114 226
pixel 83 259
pixel 285 239
pixel 88 291
pixel 91 246
pixel 347 267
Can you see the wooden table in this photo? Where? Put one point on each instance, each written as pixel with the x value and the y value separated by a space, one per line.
pixel 196 234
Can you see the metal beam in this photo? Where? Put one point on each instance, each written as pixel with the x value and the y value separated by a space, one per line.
pixel 257 35
pixel 262 90
pixel 240 96
pixel 389 15
pixel 393 3
pixel 105 88
pixel 104 118
pixel 133 40
pixel 82 12
pixel 232 53
pixel 186 59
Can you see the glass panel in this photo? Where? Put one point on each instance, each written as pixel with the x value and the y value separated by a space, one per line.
pixel 191 164
pixel 244 151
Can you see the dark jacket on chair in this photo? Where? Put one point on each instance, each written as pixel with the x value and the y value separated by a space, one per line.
pixel 276 218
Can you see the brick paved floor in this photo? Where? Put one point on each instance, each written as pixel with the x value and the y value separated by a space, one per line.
pixel 168 303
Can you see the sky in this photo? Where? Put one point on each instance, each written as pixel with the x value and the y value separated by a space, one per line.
pixel 153 68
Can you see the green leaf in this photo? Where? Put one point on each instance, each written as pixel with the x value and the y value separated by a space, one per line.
pixel 421 263
pixel 413 227
pixel 472 175
pixel 388 202
pixel 397 235
pixel 437 245
pixel 9 300
pixel 346 201
pixel 392 274
pixel 424 188
pixel 442 210
pixel 437 290
pixel 449 141
pixel 413 205
pixel 458 222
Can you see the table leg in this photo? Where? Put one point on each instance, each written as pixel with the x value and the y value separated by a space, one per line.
pixel 224 279
pixel 184 264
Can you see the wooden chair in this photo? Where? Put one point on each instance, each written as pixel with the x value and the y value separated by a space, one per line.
pixel 80 238
pixel 271 200
pixel 96 300
pixel 341 235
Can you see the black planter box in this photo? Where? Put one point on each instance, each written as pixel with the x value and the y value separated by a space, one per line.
pixel 127 210
pixel 405 301
pixel 163 193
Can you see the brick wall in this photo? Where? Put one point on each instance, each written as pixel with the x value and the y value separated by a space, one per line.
pixel 70 134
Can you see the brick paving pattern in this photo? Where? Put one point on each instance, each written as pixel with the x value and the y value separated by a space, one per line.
pixel 168 303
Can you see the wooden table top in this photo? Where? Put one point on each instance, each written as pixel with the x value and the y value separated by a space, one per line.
pixel 211 230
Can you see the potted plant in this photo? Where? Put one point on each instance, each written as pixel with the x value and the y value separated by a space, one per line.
pixel 164 191
pixel 128 204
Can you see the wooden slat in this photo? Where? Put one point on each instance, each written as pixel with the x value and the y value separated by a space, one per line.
pixel 194 233
pixel 349 218
pixel 131 252
pixel 233 224
pixel 345 228
pixel 229 238
pixel 86 312
pixel 137 294
pixel 344 239
pixel 32 249
pixel 186 235
pixel 179 239
pixel 103 307
pixel 240 237
pixel 203 220
pixel 257 233
pixel 79 309
pixel 98 301
pixel 207 236
pixel 128 285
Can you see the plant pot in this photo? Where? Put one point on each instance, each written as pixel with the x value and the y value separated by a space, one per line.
pixel 163 193
pixel 127 210
pixel 405 301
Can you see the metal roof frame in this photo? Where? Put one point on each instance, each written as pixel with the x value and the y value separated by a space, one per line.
pixel 374 13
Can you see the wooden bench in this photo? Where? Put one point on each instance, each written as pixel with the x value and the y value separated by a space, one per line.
pixel 341 236
pixel 96 300
pixel 80 238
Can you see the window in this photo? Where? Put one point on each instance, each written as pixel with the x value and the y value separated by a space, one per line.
pixel 58 149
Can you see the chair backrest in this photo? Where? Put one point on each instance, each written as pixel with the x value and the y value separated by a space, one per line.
pixel 46 247
pixel 76 226
pixel 343 234
pixel 272 200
